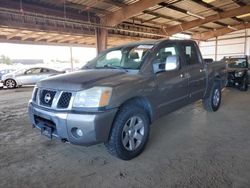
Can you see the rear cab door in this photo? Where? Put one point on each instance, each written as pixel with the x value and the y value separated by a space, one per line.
pixel 194 70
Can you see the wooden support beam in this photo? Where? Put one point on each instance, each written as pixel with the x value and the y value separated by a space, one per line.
pixel 55 38
pixel 156 24
pixel 84 40
pixel 12 35
pixel 227 14
pixel 101 39
pixel 116 3
pixel 240 3
pixel 158 15
pixel 76 39
pixel 65 39
pixel 128 11
pixel 219 32
pixel 178 9
pixel 45 36
pixel 29 35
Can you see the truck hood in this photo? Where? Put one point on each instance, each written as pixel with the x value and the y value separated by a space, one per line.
pixel 84 79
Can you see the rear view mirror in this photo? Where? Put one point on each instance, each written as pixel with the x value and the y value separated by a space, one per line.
pixel 172 63
pixel 208 60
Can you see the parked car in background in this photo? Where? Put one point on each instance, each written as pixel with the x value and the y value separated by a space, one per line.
pixel 27 77
pixel 116 96
pixel 238 70
pixel 5 71
pixel 2 72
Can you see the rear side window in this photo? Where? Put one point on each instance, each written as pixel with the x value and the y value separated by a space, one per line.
pixel 190 54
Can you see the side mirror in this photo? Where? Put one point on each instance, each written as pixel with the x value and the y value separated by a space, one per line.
pixel 208 60
pixel 172 63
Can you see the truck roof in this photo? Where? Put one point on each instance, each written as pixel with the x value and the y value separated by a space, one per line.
pixel 150 42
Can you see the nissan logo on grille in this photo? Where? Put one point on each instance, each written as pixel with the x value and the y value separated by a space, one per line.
pixel 47 98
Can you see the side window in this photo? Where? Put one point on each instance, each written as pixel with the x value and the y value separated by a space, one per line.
pixel 161 56
pixel 111 58
pixel 33 71
pixel 45 70
pixel 164 52
pixel 190 54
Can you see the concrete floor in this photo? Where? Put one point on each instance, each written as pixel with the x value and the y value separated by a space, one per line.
pixel 188 148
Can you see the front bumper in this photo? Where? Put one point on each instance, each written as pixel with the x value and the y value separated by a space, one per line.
pixel 235 81
pixel 94 126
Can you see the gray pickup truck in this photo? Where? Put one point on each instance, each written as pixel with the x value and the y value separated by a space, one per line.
pixel 116 96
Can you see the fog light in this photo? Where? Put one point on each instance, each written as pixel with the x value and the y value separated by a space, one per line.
pixel 79 132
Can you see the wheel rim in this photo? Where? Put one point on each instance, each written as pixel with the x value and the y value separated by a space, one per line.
pixel 133 133
pixel 10 83
pixel 216 97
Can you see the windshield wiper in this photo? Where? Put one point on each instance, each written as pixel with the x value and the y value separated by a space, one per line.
pixel 115 67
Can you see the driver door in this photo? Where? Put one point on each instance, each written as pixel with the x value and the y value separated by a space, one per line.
pixel 172 85
pixel 31 76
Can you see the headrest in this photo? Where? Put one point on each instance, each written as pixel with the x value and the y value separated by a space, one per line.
pixel 164 55
pixel 134 55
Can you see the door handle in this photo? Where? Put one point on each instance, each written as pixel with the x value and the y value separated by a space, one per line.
pixel 185 75
pixel 202 70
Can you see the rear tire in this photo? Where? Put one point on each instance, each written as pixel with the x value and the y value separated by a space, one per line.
pixel 10 83
pixel 130 133
pixel 212 102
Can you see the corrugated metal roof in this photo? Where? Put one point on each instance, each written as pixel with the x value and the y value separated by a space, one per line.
pixel 171 13
pixel 225 4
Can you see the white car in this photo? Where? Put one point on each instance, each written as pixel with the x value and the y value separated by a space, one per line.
pixel 27 77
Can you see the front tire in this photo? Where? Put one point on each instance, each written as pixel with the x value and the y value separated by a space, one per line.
pixel 212 102
pixel 10 83
pixel 244 86
pixel 130 132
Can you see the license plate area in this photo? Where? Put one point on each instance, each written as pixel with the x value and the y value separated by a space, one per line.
pixel 48 127
pixel 47 131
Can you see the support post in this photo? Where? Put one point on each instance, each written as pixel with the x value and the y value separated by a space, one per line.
pixel 71 59
pixel 245 44
pixel 216 48
pixel 101 39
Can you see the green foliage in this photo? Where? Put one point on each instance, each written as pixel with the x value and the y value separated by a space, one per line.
pixel 5 60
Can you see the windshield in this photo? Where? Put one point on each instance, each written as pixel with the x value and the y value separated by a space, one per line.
pixel 124 58
pixel 237 63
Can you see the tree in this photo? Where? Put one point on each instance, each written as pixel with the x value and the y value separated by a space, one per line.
pixel 5 60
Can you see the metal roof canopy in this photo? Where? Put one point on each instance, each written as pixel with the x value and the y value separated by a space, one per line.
pixel 89 22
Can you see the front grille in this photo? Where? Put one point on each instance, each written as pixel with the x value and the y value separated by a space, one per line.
pixel 64 100
pixel 46 97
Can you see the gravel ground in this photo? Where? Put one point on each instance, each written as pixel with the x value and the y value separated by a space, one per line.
pixel 188 148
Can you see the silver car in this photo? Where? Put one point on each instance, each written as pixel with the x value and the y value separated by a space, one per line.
pixel 27 77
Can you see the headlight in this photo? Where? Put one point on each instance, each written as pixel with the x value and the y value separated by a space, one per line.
pixel 239 74
pixel 34 94
pixel 93 98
